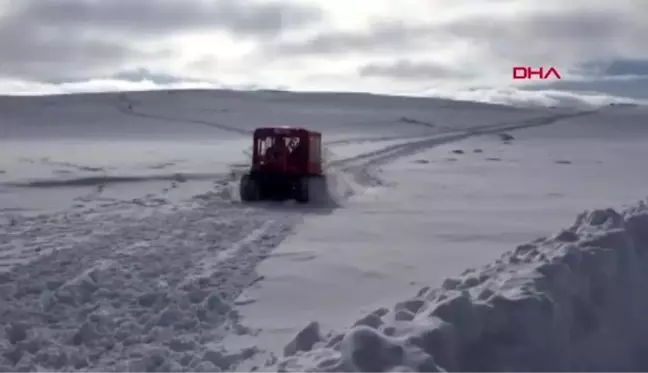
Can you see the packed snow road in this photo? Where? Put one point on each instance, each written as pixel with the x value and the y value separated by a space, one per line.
pixel 152 288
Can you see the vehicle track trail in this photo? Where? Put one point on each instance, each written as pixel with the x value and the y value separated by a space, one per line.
pixel 361 165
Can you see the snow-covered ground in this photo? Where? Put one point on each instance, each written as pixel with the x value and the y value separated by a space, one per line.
pixel 439 212
pixel 124 246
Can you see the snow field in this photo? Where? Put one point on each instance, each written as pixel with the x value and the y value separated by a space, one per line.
pixel 141 281
pixel 85 175
pixel 570 302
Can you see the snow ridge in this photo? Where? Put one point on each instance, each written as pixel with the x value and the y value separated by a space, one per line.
pixel 571 302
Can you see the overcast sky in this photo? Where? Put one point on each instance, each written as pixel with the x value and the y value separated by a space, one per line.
pixel 456 48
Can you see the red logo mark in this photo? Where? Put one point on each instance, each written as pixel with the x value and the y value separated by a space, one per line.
pixel 526 72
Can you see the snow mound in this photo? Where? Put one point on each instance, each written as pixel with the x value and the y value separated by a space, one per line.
pixel 338 187
pixel 344 178
pixel 575 301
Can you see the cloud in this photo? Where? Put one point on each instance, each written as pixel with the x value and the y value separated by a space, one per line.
pixel 152 17
pixel 556 37
pixel 629 86
pixel 478 42
pixel 506 95
pixel 97 85
pixel 382 46
pixel 621 78
pixel 541 98
pixel 66 40
pixel 407 69
pixel 523 32
pixel 379 37
pixel 627 67
pixel 143 74
pixel 36 56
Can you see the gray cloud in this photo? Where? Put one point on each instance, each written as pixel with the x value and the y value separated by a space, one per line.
pixel 627 67
pixel 151 17
pixel 380 37
pixel 81 40
pixel 36 54
pixel 144 74
pixel 57 40
pixel 592 39
pixel 622 78
pixel 538 97
pixel 632 86
pixel 566 35
pixel 410 70
pixel 574 36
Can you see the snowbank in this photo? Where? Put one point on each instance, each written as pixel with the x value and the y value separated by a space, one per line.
pixel 575 301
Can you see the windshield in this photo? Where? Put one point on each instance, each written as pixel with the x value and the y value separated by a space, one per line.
pixel 290 143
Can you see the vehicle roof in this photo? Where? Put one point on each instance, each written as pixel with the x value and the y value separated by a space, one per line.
pixel 284 128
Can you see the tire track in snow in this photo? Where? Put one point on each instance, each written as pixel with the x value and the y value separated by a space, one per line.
pixel 131 298
pixel 359 166
pixel 409 148
pixel 131 110
pixel 209 265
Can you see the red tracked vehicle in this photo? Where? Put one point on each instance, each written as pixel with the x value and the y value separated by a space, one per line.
pixel 286 164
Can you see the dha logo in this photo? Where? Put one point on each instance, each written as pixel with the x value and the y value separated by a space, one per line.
pixel 527 72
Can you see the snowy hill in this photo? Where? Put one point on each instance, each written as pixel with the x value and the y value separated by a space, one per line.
pixel 123 245
pixel 153 136
pixel 195 113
